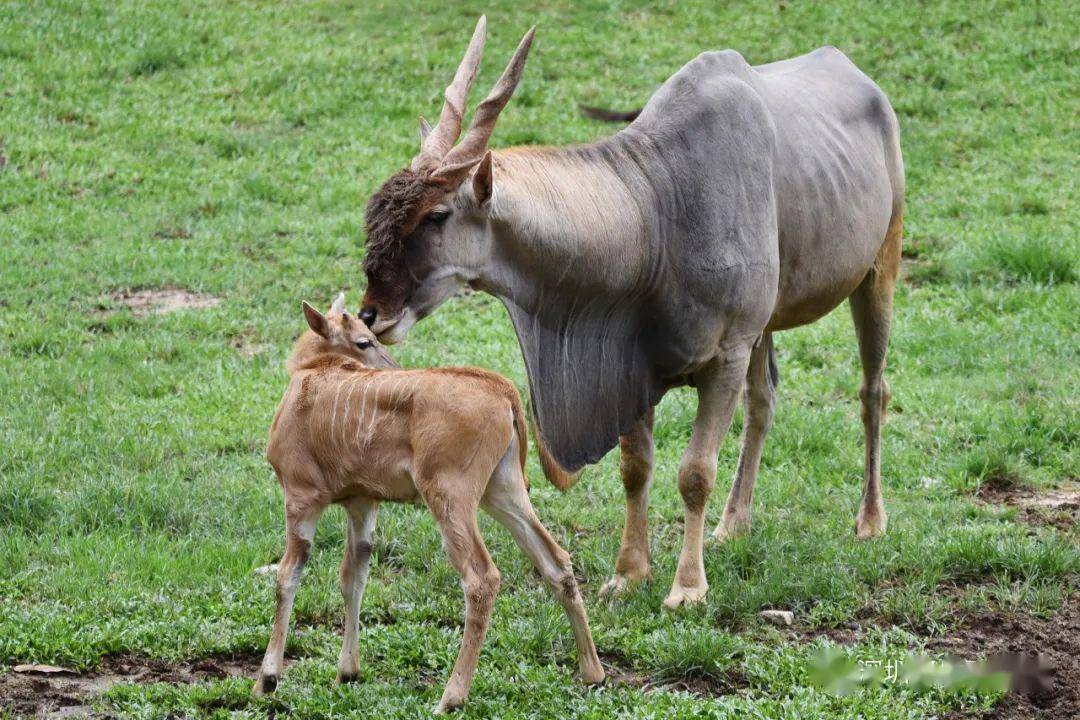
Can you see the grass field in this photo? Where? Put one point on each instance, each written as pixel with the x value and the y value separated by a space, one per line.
pixel 228 149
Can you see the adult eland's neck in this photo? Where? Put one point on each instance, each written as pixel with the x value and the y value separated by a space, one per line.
pixel 568 218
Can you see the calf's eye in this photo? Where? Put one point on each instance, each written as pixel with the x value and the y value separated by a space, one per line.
pixel 363 344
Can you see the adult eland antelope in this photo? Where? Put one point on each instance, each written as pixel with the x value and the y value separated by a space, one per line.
pixel 742 200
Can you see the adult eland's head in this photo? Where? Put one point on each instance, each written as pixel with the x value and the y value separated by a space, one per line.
pixel 428 226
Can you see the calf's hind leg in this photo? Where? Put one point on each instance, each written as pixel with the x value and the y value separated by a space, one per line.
pixel 507 500
pixel 299 532
pixel 354 573
pixel 871 309
pixel 467 553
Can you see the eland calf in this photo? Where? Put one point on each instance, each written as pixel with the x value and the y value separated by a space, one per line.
pixel 357 430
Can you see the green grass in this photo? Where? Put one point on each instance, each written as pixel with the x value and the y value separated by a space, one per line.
pixel 229 149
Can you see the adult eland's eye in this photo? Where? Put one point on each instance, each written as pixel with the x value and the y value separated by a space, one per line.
pixel 438 217
pixel 363 344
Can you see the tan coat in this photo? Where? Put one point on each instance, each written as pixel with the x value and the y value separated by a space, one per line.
pixel 355 429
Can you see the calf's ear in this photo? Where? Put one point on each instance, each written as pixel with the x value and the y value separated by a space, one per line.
pixel 482 180
pixel 316 320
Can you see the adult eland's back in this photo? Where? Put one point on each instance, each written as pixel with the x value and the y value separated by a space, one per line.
pixel 740 201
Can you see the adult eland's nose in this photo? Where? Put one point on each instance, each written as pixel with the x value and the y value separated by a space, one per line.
pixel 368 316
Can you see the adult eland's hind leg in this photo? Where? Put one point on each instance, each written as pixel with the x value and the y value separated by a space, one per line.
pixel 718 384
pixel 507 500
pixel 632 564
pixel 354 573
pixel 761 380
pixel 871 309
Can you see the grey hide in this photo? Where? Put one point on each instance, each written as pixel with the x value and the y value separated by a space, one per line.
pixel 765 194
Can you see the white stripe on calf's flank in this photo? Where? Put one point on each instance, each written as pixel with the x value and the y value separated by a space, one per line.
pixel 374 414
pixel 363 411
pixel 333 416
pixel 348 405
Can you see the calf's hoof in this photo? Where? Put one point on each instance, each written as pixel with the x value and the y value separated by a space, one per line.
pixel 449 705
pixel 264 685
pixel 592 675
pixel 681 595
pixel 344 678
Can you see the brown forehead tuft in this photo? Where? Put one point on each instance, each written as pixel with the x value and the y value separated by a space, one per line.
pixel 393 212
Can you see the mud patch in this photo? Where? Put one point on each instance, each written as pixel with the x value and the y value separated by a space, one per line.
pixel 160 301
pixel 1047 692
pixel 1059 508
pixel 246 342
pixel 69 694
pixel 620 673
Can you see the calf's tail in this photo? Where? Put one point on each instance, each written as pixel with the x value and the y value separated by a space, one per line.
pixel 559 476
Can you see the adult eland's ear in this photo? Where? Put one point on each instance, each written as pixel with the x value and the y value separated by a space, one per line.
pixel 339 304
pixel 316 320
pixel 454 175
pixel 482 180
pixel 425 130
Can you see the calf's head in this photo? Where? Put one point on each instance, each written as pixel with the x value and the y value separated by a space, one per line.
pixel 343 333
pixel 428 226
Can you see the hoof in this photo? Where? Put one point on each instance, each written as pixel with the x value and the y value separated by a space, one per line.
pixel 620 584
pixel 731 528
pixel 264 685
pixel 344 678
pixel 448 706
pixel 870 526
pixel 592 677
pixel 681 596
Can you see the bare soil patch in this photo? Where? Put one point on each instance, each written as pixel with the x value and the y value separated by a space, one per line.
pixel 246 342
pixel 160 301
pixel 1043 654
pixel 1059 507
pixel 619 672
pixel 1045 658
pixel 68 694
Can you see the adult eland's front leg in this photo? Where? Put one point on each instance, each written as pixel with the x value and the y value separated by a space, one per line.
pixel 718 384
pixel 761 379
pixel 632 564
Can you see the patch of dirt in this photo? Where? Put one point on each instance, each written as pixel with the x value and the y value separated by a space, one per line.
pixel 246 342
pixel 1043 654
pixel 1059 507
pixel 68 694
pixel 160 301
pixel 619 672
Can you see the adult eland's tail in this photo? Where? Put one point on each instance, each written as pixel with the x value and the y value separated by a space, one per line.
pixel 611 116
